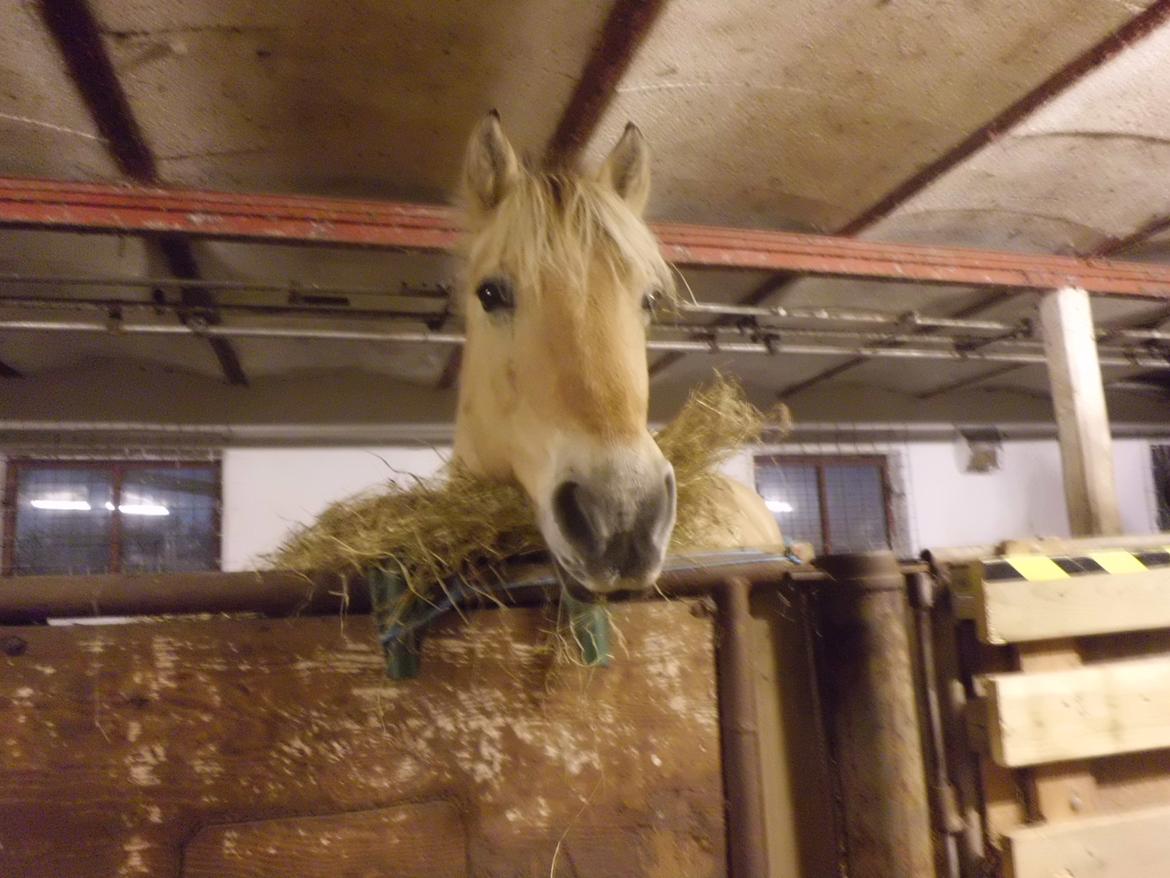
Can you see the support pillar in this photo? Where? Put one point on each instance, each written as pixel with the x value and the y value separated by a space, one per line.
pixel 1078 396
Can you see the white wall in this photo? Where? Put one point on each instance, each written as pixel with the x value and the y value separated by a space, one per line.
pixel 1025 497
pixel 268 491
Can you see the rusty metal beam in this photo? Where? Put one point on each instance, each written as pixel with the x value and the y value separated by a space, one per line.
pixel 626 27
pixel 1059 82
pixel 154 212
pixel 969 381
pixel 199 303
pixel 79 41
pixel 1139 26
pixel 78 38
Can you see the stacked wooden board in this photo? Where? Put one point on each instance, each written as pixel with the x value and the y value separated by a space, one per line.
pixel 1076 735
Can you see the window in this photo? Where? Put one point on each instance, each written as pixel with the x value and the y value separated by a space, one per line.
pixel 839 504
pixel 1162 484
pixel 78 517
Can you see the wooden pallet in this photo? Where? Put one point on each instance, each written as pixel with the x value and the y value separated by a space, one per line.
pixel 1074 738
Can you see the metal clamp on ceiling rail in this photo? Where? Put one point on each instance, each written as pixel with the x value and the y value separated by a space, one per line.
pixel 198 324
pixel 1158 349
pixel 114 320
pixel 747 324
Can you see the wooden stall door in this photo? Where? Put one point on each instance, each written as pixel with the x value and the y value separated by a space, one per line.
pixel 260 748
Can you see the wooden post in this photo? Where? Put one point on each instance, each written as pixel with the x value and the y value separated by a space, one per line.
pixel 1078 395
pixel 1066 790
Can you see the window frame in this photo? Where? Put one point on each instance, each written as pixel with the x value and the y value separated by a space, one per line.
pixel 819 462
pixel 1160 476
pixel 117 469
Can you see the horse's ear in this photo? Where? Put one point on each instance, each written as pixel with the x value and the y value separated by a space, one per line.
pixel 627 169
pixel 490 168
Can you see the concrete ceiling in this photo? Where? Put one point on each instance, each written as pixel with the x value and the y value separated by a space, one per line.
pixel 796 119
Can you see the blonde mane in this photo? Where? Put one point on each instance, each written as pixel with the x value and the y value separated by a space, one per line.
pixel 557 226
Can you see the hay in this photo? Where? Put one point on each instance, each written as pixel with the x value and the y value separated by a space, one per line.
pixel 463 526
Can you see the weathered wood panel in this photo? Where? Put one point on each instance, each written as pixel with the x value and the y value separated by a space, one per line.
pixel 1096 710
pixel 423 840
pixel 1017 611
pixel 1127 845
pixel 118 744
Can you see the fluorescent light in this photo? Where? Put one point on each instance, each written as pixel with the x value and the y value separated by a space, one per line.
pixel 62 505
pixel 143 509
pixel 139 509
pixel 778 505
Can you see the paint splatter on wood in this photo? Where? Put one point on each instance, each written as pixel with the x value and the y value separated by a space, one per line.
pixel 139 735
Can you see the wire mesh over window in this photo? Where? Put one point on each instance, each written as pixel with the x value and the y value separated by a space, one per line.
pixel 111 517
pixel 64 520
pixel 792 493
pixel 836 504
pixel 169 519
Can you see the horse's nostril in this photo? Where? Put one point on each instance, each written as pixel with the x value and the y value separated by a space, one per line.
pixel 569 507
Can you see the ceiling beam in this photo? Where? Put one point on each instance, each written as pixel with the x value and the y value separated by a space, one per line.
pixel 77 35
pixel 199 303
pixel 7 371
pixel 1059 82
pixel 78 39
pixel 156 212
pixel 626 27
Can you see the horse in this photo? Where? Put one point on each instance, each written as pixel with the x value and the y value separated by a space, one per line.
pixel 560 275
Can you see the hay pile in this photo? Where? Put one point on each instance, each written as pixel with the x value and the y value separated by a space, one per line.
pixel 461 525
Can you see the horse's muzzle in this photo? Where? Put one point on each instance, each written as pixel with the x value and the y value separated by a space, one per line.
pixel 617 532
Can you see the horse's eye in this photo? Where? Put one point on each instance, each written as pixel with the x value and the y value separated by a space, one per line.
pixel 495 294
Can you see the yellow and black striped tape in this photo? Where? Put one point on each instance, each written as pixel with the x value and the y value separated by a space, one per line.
pixel 1041 568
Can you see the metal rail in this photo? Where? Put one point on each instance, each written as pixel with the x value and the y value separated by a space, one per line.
pixel 1122 357
pixel 292 289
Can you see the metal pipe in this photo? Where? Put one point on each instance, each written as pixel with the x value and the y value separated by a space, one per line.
pixel 698 332
pixel 948 821
pixel 298 310
pixel 830 315
pixel 25 599
pixel 70 280
pixel 743 785
pixel 867 685
pixel 841 315
pixel 1128 358
pixel 34 599
pixel 1141 334
pixel 336 311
